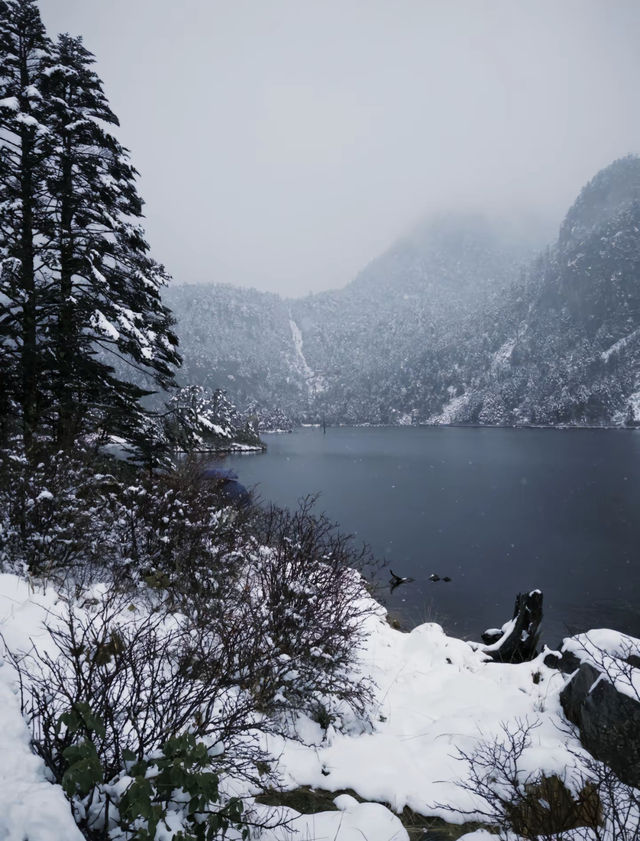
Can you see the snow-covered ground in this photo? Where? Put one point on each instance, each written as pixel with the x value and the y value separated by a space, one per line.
pixel 450 411
pixel 434 695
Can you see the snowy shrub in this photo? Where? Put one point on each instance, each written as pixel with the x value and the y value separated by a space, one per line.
pixel 64 515
pixel 140 671
pixel 55 512
pixel 280 590
pixel 179 533
pixel 176 786
pixel 150 692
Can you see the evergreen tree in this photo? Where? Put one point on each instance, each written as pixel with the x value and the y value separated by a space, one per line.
pixel 107 287
pixel 78 288
pixel 198 418
pixel 23 204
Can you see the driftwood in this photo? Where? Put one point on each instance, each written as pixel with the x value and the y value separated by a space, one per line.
pixel 517 640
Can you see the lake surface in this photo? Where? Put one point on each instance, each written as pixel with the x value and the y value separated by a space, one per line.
pixel 500 511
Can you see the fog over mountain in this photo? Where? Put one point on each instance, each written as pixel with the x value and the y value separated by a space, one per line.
pixel 282 145
pixel 458 322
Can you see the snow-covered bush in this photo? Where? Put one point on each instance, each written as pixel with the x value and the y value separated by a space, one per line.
pixel 63 518
pixel 179 615
pixel 178 533
pixel 55 512
pixel 177 785
pixel 281 590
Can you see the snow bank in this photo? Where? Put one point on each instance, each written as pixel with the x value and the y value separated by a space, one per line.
pixel 353 822
pixel 30 806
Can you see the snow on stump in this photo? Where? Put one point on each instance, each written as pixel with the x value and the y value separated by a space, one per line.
pixel 517 640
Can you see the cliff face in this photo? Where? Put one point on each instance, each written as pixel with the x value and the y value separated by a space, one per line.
pixel 454 324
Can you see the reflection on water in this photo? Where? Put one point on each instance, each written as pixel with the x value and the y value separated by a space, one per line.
pixel 496 510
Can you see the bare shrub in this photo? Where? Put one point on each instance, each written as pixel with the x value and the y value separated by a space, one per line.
pixel 304 599
pixel 133 681
pixel 588 803
pixel 620 803
pixel 280 590
pixel 139 673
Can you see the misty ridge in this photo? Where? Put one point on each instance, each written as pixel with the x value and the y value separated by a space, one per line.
pixel 467 320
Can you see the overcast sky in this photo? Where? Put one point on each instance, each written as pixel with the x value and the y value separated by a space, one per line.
pixel 285 143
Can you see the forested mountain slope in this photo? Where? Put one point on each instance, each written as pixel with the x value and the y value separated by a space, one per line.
pixel 456 323
pixel 239 340
pixel 384 342
pixel 574 357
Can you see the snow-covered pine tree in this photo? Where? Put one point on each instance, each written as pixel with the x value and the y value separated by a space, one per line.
pixel 201 419
pixel 198 417
pixel 23 201
pixel 106 286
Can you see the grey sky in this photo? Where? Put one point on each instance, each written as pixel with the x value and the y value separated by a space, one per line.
pixel 285 143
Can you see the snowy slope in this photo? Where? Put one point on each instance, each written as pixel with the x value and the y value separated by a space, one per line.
pixel 458 309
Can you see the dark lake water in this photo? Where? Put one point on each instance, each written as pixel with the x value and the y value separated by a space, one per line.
pixel 498 510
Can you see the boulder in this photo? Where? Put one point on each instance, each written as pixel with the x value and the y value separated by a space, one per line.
pixel 517 640
pixel 565 661
pixel 608 720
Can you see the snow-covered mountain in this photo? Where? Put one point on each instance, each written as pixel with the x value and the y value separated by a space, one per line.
pixel 242 341
pixel 455 323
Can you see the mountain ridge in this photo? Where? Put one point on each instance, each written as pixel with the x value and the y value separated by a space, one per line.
pixel 455 323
